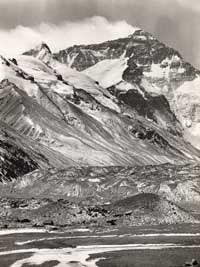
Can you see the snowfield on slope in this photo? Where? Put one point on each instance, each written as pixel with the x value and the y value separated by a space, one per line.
pixel 108 72
pixel 72 78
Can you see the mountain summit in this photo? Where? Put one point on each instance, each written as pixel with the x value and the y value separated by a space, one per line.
pixel 141 60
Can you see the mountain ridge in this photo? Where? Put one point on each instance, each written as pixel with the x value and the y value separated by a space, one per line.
pixel 160 69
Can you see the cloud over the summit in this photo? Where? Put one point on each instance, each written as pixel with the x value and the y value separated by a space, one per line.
pixel 91 30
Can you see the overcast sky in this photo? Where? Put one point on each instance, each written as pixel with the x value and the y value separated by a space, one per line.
pixel 61 23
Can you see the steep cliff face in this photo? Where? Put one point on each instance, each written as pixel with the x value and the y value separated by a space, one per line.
pixel 141 59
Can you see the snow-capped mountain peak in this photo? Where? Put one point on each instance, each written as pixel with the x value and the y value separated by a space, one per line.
pixel 141 35
pixel 148 64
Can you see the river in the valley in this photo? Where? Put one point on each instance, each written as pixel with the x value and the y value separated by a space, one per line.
pixel 159 246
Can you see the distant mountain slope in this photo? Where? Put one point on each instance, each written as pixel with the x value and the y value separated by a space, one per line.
pixel 141 60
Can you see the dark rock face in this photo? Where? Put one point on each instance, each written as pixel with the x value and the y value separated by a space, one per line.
pixel 154 108
pixel 17 155
pixel 14 162
pixel 151 108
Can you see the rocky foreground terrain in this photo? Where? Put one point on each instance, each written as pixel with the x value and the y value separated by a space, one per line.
pixel 97 197
pixel 142 209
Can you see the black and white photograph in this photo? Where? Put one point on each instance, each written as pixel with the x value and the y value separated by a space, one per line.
pixel 99 133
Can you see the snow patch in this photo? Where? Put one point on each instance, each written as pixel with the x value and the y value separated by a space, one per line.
pixel 108 72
